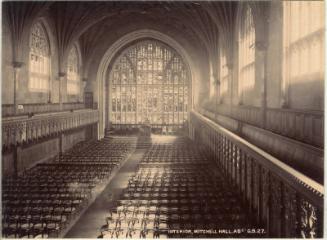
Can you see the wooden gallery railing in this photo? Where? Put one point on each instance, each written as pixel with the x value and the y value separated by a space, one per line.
pixel 22 129
pixel 35 108
pixel 284 201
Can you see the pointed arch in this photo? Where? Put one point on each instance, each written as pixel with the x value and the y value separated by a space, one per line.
pixel 39 59
pixel 149 82
pixel 120 44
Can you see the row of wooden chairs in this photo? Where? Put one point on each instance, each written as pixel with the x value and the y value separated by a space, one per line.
pixel 42 201
pixel 176 191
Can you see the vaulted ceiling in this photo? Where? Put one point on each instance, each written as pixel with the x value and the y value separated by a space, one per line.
pixel 187 17
pixel 90 22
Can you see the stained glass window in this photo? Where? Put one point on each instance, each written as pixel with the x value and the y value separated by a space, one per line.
pixel 303 40
pixel 246 53
pixel 39 60
pixel 73 79
pixel 149 83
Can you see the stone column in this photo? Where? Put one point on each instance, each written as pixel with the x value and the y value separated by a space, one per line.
pixel 261 47
pixel 217 94
pixel 82 89
pixel 62 76
pixel 230 69
pixel 17 67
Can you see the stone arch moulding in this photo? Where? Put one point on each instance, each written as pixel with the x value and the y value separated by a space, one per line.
pixel 120 44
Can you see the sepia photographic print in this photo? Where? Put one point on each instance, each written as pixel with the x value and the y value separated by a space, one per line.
pixel 162 119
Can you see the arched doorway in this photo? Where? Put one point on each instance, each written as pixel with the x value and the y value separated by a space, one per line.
pixel 148 84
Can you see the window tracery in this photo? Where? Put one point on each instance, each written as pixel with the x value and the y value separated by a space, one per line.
pixel 246 53
pixel 303 40
pixel 149 82
pixel 39 60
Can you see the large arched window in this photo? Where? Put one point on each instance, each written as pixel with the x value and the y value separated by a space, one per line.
pixel 303 41
pixel 149 83
pixel 246 46
pixel 39 60
pixel 73 78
